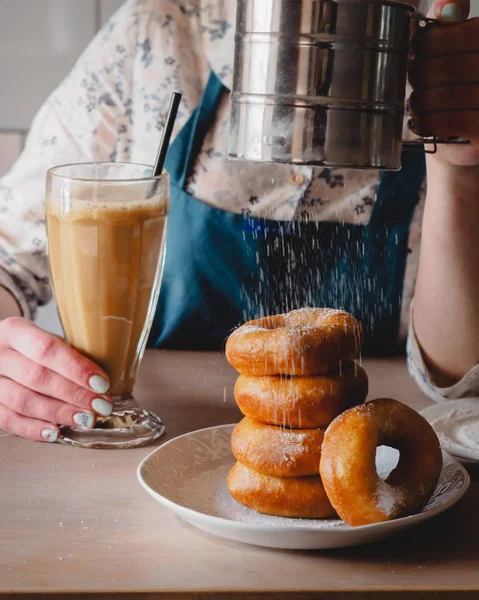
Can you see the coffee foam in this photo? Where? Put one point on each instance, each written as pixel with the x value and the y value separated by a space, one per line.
pixel 89 207
pixel 109 198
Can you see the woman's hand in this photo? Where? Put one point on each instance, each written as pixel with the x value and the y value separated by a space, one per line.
pixel 444 74
pixel 45 383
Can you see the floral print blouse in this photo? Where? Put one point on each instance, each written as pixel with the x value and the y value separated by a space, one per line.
pixel 112 107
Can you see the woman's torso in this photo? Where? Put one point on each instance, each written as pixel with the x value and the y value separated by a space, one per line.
pixel 177 50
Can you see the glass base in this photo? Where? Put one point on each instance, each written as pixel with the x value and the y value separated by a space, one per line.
pixel 128 426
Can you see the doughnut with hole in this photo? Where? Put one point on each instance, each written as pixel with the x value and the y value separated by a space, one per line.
pixel 348 462
pixel 307 341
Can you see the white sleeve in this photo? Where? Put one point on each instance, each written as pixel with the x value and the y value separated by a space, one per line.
pixel 78 123
pixel 467 387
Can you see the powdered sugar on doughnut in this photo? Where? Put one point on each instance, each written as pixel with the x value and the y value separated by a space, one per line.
pixel 307 341
pixel 277 451
pixel 248 330
pixel 387 498
pixel 291 451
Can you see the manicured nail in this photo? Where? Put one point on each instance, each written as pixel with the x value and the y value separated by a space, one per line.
pixel 451 13
pixel 50 435
pixel 99 384
pixel 102 407
pixel 85 420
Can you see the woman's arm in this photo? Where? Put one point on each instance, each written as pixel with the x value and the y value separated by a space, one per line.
pixel 446 305
pixel 444 74
pixel 8 305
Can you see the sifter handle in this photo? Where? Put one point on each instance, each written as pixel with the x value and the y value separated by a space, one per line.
pixel 417 143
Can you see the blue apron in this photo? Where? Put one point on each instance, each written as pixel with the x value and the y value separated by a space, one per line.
pixel 224 268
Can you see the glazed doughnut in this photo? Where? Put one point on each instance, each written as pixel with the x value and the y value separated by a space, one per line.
pixel 348 468
pixel 308 341
pixel 276 451
pixel 301 497
pixel 301 402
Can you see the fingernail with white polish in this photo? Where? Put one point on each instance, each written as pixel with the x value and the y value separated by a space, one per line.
pixel 50 435
pixel 85 420
pixel 452 13
pixel 99 384
pixel 102 406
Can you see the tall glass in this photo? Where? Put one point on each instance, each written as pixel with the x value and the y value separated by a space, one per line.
pixel 106 228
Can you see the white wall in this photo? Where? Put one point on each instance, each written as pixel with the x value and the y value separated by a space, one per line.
pixel 39 42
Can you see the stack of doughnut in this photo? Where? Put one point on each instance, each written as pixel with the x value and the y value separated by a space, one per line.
pixel 306 445
pixel 296 375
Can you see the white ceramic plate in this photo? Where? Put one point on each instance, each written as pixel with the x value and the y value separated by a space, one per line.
pixel 456 423
pixel 188 475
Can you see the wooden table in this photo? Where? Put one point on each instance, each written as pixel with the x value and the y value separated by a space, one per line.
pixel 76 524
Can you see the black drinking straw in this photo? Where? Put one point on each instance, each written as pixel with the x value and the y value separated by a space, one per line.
pixel 167 131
